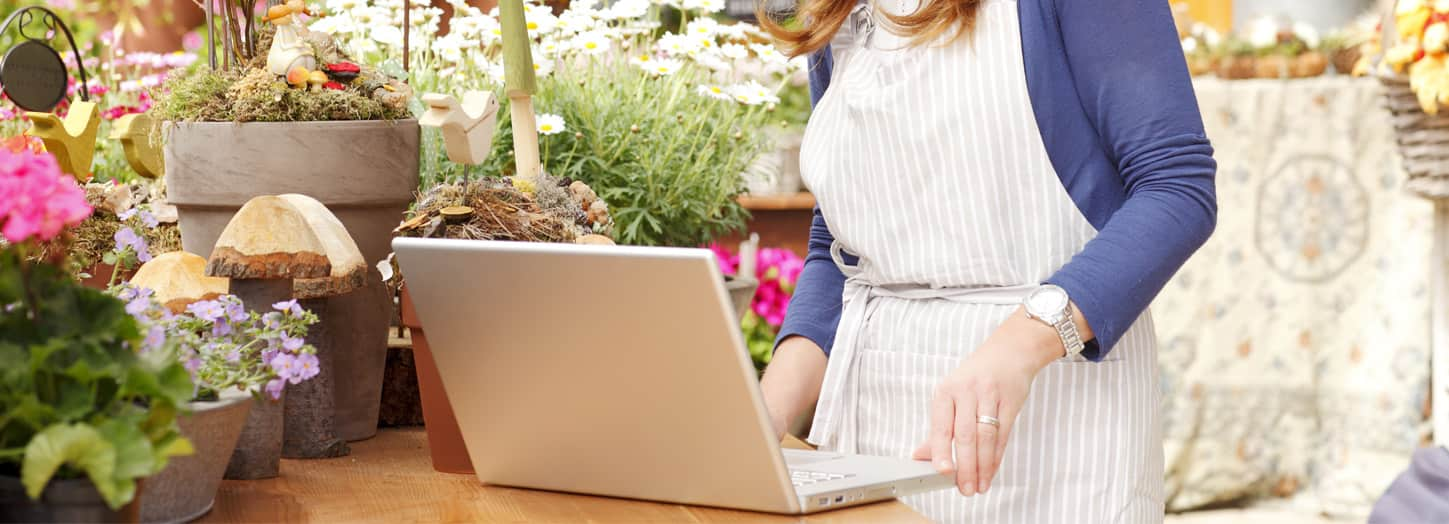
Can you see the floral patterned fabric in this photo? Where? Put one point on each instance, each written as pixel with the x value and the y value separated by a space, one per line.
pixel 1295 344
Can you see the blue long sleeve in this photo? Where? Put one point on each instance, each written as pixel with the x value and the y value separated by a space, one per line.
pixel 1133 87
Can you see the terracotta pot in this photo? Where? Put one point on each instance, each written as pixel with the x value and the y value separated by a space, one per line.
pixel 64 500
pixel 258 453
pixel 445 440
pixel 185 490
pixel 100 276
pixel 365 172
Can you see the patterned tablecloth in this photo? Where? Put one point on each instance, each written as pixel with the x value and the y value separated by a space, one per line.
pixel 1295 344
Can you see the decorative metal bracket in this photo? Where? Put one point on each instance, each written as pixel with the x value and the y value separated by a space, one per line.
pixel 37 51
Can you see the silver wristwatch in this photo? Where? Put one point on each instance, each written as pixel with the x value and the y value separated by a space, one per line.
pixel 1050 305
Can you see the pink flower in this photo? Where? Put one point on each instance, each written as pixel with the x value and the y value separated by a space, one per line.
pixel 192 41
pixel 36 199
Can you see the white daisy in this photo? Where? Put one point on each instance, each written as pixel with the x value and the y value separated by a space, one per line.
pixel 642 60
pixel 550 124
pixel 591 43
pixel 733 51
pixel 716 92
pixel 677 44
pixel 387 35
pixel 769 54
pixel 702 26
pixel 752 93
pixel 663 66
pixel 712 61
pixel 540 22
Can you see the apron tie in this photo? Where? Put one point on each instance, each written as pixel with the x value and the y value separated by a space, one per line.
pixel 834 425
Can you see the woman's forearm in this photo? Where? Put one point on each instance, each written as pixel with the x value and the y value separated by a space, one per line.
pixel 792 381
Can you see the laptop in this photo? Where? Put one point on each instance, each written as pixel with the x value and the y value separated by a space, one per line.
pixel 618 371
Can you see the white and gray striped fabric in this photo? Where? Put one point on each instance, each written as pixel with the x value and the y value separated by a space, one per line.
pixel 928 165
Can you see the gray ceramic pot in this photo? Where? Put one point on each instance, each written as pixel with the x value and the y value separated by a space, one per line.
pixel 742 292
pixel 68 500
pixel 365 172
pixel 184 491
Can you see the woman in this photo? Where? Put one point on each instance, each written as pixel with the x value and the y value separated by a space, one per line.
pixel 1003 187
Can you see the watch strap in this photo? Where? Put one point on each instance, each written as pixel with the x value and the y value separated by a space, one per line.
pixel 1066 328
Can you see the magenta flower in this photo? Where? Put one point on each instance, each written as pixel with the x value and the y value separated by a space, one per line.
pixel 36 199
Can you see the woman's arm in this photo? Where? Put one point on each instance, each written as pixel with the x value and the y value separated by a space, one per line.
pixel 1132 82
pixel 792 382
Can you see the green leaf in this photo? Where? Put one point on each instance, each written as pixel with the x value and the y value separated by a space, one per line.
pixel 79 446
pixel 134 458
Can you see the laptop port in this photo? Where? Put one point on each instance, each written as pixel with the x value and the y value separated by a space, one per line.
pixel 824 501
pixel 839 499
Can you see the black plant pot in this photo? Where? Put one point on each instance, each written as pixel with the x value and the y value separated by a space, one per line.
pixel 69 500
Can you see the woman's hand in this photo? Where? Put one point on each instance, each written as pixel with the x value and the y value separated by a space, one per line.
pixel 993 381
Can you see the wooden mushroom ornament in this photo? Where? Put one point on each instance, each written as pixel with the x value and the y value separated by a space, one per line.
pixel 309 408
pixel 177 279
pixel 268 244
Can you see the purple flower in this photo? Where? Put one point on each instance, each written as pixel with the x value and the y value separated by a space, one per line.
pixel 138 306
pixel 127 238
pixel 274 388
pixel 208 310
pixel 307 367
pixel 155 337
pixel 269 354
pixel 282 364
pixel 290 307
pixel 234 356
pixel 221 328
pixel 193 364
pixel 127 214
pixel 272 320
pixel 149 219
pixel 291 343
pixel 235 312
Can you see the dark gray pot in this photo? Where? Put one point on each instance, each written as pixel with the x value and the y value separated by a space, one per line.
pixel 365 172
pixel 67 500
pixel 258 453
pixel 185 490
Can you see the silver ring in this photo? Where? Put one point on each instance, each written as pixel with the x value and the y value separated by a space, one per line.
pixel 988 419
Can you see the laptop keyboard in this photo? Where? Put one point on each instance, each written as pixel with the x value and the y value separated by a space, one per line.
pixel 805 478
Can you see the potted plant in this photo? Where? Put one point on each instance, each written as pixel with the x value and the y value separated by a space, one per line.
pixel 88 415
pixel 233 355
pixel 286 110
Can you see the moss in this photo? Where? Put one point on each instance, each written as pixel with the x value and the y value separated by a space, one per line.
pixel 252 94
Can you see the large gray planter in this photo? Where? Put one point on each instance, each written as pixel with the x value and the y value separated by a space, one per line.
pixel 258 450
pixel 365 172
pixel 185 490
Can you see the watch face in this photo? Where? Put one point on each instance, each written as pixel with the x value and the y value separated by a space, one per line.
pixel 1048 300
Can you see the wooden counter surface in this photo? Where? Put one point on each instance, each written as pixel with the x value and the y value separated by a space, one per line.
pixel 389 478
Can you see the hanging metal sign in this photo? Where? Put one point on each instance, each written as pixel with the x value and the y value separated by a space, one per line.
pixel 32 74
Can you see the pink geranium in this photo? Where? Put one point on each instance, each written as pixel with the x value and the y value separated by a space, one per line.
pixel 36 199
pixel 777 271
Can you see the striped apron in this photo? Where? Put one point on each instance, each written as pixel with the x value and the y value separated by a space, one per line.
pixel 928 165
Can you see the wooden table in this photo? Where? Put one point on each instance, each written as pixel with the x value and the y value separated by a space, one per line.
pixel 389 478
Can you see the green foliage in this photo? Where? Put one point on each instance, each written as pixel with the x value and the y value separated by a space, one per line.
pixel 668 160
pixel 75 399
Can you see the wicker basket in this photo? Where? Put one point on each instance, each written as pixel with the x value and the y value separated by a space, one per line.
pixel 1423 139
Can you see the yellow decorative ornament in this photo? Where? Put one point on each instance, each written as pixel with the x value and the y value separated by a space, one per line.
pixel 134 133
pixel 1409 19
pixel 72 141
pixel 1429 79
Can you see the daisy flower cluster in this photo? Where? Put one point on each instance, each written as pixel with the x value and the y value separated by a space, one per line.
pixel 223 345
pixel 736 58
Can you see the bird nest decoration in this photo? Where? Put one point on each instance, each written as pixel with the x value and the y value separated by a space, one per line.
pixel 556 210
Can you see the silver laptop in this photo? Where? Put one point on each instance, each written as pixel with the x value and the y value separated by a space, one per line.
pixel 618 371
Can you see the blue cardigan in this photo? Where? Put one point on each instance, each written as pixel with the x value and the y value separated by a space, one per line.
pixel 1116 109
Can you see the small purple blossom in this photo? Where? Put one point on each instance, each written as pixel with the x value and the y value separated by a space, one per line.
pixel 290 307
pixel 272 320
pixel 127 238
pixel 127 214
pixel 274 388
pixel 193 364
pixel 282 365
pixel 208 310
pixel 148 219
pixel 291 343
pixel 307 366
pixel 236 312
pixel 155 337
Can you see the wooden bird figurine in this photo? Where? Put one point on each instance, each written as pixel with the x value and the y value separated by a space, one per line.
pixel 73 141
pixel 134 133
pixel 467 128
